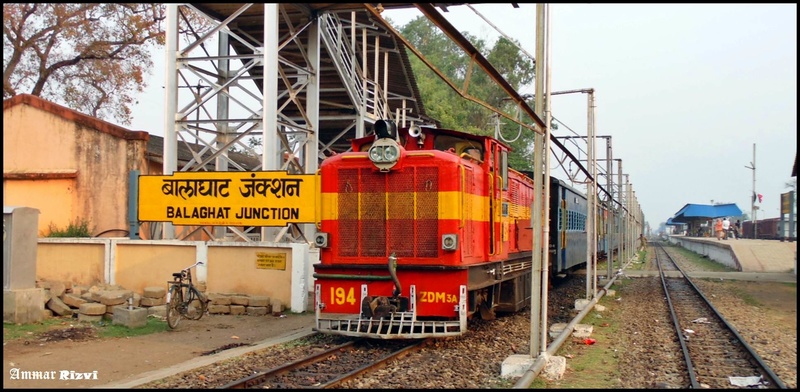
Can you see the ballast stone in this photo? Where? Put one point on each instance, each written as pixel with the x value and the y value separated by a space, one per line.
pixel 555 368
pixel 516 365
pixel 556 329
pixel 582 330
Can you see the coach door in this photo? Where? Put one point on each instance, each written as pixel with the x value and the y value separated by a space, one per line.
pixel 498 173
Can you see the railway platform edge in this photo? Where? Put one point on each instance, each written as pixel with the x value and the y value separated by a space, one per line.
pixel 746 255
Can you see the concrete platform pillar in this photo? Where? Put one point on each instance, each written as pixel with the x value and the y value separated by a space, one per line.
pixel 23 306
pixel 22 302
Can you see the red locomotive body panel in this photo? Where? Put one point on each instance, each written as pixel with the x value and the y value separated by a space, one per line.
pixel 404 211
pixel 436 292
pixel 418 231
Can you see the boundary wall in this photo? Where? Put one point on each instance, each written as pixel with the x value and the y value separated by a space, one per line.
pixel 229 267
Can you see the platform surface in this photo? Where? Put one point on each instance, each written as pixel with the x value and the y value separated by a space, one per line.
pixel 758 255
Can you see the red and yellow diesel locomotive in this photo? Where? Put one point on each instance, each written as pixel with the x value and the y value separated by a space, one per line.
pixel 420 229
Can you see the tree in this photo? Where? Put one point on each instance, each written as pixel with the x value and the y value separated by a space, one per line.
pixel 455 112
pixel 91 57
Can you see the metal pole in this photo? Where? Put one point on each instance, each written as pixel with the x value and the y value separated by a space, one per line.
pixel 548 117
pixel 538 205
pixel 609 209
pixel 270 159
pixel 620 216
pixel 589 199
pixel 755 209
pixel 753 197
pixel 591 221
pixel 628 242
pixel 170 163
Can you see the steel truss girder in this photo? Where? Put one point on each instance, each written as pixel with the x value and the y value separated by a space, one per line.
pixel 219 109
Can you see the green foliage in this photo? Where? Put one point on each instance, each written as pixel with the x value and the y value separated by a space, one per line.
pixel 13 331
pixel 703 262
pixel 592 366
pixel 107 329
pixel 95 58
pixel 78 228
pixel 453 111
pixel 104 329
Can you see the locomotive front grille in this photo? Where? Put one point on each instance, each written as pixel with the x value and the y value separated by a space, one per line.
pixel 381 213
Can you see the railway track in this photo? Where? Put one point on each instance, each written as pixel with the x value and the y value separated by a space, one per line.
pixel 716 356
pixel 332 367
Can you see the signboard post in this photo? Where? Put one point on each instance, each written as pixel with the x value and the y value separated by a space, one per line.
pixel 787 204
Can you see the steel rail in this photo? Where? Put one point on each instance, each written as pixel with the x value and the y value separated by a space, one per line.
pixel 263 377
pixel 764 367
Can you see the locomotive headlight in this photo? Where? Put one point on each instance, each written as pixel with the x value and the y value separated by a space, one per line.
pixel 390 153
pixel 376 154
pixel 384 153
pixel 450 242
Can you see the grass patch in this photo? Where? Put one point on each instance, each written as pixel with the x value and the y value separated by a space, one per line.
pixel 746 297
pixel 702 261
pixel 638 264
pixel 108 330
pixel 105 329
pixel 593 366
pixel 13 331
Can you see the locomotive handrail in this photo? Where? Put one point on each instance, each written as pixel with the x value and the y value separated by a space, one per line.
pixel 345 276
pixel 461 196
pixel 318 210
pixel 491 216
pixel 500 213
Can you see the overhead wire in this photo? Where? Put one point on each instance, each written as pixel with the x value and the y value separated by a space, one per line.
pixel 553 139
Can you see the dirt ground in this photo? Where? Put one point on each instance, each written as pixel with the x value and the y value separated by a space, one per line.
pixel 122 360
pixel 73 347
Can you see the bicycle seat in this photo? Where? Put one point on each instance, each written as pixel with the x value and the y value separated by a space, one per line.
pixel 177 274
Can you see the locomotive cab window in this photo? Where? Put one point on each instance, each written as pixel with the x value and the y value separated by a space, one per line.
pixel 459 146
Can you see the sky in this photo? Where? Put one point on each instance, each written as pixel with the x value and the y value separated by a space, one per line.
pixel 684 90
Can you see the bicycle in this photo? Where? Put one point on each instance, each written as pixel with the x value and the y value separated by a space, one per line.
pixel 183 298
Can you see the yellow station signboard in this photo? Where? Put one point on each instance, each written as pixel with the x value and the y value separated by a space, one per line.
pixel 262 198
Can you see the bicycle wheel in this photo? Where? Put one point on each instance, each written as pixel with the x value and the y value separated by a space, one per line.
pixel 174 306
pixel 196 304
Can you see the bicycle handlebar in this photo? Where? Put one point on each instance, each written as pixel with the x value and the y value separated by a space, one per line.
pixel 193 265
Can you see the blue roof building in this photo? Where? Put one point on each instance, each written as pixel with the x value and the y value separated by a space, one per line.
pixel 694 216
pixel 695 212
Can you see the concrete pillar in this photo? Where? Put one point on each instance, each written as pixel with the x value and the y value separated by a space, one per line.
pixel 22 301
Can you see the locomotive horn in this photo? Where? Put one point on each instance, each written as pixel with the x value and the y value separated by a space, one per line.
pixel 414 131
